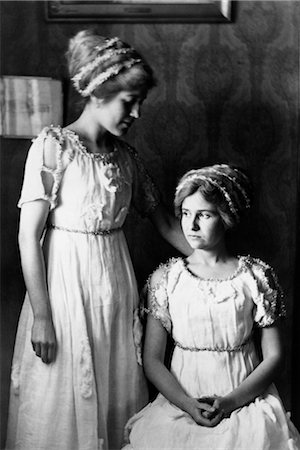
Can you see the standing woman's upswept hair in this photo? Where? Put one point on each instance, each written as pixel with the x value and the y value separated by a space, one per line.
pixel 102 66
pixel 223 185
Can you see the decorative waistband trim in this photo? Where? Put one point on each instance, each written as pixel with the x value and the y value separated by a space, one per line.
pixel 213 349
pixel 95 233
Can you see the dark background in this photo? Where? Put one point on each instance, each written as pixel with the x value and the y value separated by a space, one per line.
pixel 226 93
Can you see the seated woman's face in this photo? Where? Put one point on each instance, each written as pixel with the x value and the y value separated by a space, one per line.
pixel 201 223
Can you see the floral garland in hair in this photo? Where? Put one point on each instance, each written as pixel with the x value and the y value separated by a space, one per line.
pixel 198 176
pixel 104 76
pixel 108 43
pixel 97 61
pixel 93 64
pixel 108 73
pixel 234 181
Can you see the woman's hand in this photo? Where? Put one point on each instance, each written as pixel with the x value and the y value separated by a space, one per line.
pixel 257 381
pixel 224 405
pixel 43 339
pixel 170 229
pixel 204 413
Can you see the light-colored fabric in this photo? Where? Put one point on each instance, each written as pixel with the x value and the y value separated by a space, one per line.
pixel 214 320
pixel 82 400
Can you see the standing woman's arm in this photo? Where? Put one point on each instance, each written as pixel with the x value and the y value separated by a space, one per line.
pixel 147 201
pixel 35 203
pixel 32 222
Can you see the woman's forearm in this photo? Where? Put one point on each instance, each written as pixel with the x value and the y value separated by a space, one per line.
pixel 32 223
pixel 162 378
pixel 254 385
pixel 166 383
pixel 262 376
pixel 34 273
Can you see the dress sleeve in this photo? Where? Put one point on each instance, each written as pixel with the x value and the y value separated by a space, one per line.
pixel 146 196
pixel 268 299
pixel 43 169
pixel 158 303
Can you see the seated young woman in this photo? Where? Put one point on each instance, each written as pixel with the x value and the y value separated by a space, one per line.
pixel 219 391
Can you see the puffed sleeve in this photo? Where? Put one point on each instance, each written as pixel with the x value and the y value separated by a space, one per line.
pixel 145 196
pixel 157 303
pixel 44 158
pixel 268 296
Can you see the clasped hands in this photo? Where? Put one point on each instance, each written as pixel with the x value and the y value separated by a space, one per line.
pixel 208 411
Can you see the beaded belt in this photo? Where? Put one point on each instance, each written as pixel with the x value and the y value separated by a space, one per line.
pixel 95 233
pixel 213 349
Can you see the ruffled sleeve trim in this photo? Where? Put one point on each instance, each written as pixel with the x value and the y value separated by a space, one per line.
pixel 37 167
pixel 267 293
pixel 158 298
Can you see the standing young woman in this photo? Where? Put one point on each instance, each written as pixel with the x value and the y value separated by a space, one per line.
pixel 75 376
pixel 218 394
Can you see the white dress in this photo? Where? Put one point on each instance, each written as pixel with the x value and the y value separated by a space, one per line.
pixel 211 323
pixel 83 400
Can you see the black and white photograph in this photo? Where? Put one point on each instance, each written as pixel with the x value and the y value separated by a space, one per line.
pixel 150 223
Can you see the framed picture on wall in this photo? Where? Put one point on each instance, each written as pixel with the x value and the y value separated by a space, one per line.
pixel 115 11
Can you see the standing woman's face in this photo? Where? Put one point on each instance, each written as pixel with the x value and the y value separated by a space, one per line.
pixel 118 114
pixel 201 223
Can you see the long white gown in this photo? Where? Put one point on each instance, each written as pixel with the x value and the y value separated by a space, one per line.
pixel 212 322
pixel 83 400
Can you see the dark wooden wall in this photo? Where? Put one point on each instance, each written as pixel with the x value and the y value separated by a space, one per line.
pixel 226 92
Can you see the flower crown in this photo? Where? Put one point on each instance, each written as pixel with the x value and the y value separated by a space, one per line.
pixel 219 177
pixel 105 53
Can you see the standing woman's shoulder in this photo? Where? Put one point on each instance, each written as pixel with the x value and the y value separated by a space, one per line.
pixel 51 144
pixel 46 161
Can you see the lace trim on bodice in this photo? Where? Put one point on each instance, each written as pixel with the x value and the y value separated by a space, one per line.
pixel 242 260
pixel 261 280
pixel 75 140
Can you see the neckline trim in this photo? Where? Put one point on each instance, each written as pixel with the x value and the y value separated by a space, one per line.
pixel 238 270
pixel 83 149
